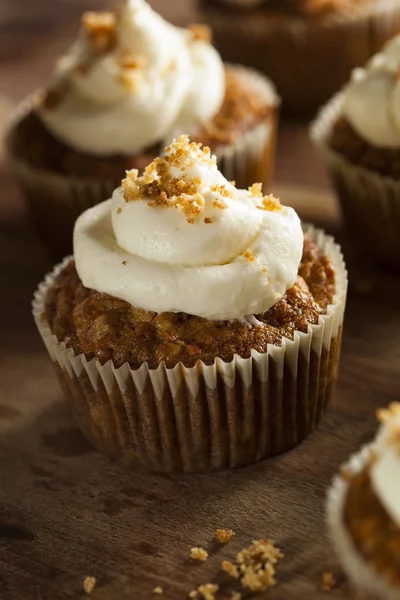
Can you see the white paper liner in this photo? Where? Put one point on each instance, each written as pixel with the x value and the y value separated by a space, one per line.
pixel 308 59
pixel 360 573
pixel 55 198
pixel 370 201
pixel 262 379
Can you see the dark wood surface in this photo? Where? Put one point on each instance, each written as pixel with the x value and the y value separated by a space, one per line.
pixel 65 511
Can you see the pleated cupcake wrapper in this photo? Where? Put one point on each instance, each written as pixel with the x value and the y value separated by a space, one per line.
pixel 307 59
pixel 210 416
pixel 362 575
pixel 56 200
pixel 370 202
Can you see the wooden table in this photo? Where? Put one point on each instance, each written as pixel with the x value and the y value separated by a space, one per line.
pixel 65 511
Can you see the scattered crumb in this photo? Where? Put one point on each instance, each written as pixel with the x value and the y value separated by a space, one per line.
pixel 89 584
pixel 207 220
pixel 385 414
pixel 119 210
pixel 224 535
pixel 124 262
pixel 328 582
pixel 193 594
pixel 158 590
pixel 208 591
pixel 257 565
pixel 200 32
pixel 232 570
pixel 271 203
pixel 233 182
pixel 100 27
pixel 236 596
pixel 133 61
pixel 264 270
pixel 250 256
pixel 198 554
pixel 256 190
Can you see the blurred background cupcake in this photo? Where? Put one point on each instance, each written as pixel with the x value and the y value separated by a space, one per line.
pixel 358 135
pixel 307 47
pixel 364 513
pixel 129 84
pixel 209 348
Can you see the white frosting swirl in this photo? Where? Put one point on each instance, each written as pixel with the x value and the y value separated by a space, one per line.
pixel 385 472
pixel 372 98
pixel 154 81
pixel 213 251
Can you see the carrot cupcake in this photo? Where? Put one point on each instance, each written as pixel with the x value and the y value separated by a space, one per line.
pixel 308 47
pixel 358 135
pixel 364 513
pixel 127 86
pixel 196 327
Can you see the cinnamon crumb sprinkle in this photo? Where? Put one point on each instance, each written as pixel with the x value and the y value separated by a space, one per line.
pixel 250 256
pixel 89 584
pixel 270 203
pixel 257 565
pixel 232 570
pixel 328 582
pixel 200 32
pixel 207 220
pixel 166 190
pixel 224 535
pixel 133 61
pixel 264 270
pixel 198 554
pixel 158 590
pixel 385 414
pixel 100 27
pixel 208 591
pixel 124 262
pixel 221 190
pixel 256 190
pixel 119 210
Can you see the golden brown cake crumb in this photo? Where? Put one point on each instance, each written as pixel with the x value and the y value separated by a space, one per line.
pixel 328 582
pixel 200 32
pixel 250 256
pixel 385 415
pixel 232 570
pixel 271 203
pixel 224 535
pixel 208 591
pixel 89 584
pixel 256 190
pixel 198 554
pixel 236 596
pixel 100 27
pixel 257 565
pixel 158 590
pixel 193 594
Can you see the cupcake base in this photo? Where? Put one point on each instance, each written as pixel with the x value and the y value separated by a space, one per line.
pixel 308 58
pixel 370 202
pixel 205 418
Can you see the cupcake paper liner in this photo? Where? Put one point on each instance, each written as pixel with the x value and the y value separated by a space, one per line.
pixel 55 200
pixel 308 59
pixel 367 582
pixel 370 202
pixel 207 417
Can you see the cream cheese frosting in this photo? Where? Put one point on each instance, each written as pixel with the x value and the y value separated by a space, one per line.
pixel 182 238
pixel 385 471
pixel 372 98
pixel 132 80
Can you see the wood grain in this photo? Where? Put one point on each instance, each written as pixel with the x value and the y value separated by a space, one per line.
pixel 66 512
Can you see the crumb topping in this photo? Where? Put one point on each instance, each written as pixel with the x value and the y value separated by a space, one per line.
pixel 166 190
pixel 206 591
pixel 224 535
pixel 384 415
pixel 100 28
pixel 200 32
pixel 328 582
pixel 89 584
pixel 198 554
pixel 249 256
pixel 158 590
pixel 256 565
pixel 256 190
pixel 270 203
pixel 133 61
pixel 228 567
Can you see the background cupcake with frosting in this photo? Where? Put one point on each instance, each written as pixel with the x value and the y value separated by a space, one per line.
pixel 358 135
pixel 127 86
pixel 307 47
pixel 197 326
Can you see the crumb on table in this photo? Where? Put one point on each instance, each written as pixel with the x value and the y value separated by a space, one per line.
pixel 224 535
pixel 198 554
pixel 89 584
pixel 158 590
pixel 328 582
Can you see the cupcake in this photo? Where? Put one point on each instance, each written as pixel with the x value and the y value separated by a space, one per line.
pixel 196 327
pixel 364 513
pixel 358 135
pixel 126 88
pixel 308 47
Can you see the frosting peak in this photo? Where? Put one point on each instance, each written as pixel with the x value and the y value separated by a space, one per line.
pixel 372 98
pixel 181 238
pixel 132 80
